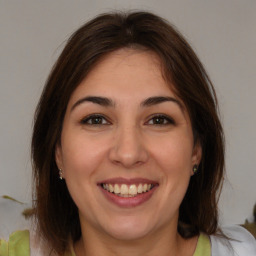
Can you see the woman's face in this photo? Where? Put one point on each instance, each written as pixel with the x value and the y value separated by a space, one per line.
pixel 127 149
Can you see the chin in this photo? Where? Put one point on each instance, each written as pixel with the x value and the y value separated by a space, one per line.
pixel 128 229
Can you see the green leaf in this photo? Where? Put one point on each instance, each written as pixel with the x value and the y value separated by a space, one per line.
pixel 12 199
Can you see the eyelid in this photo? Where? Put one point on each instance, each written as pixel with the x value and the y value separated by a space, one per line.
pixel 170 120
pixel 85 119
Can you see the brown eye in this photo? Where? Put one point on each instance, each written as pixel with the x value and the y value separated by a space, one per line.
pixel 95 120
pixel 160 120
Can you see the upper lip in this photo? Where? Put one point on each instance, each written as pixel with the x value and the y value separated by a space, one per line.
pixel 129 181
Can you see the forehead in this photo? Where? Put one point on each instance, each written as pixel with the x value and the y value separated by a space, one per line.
pixel 125 73
pixel 127 59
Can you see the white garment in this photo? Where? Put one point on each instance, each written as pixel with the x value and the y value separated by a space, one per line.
pixel 241 243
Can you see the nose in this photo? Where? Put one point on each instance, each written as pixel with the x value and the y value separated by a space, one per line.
pixel 128 148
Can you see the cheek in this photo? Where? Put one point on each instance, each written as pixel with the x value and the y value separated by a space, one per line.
pixel 173 154
pixel 81 155
pixel 174 157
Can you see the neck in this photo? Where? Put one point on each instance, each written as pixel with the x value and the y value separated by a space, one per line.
pixel 164 242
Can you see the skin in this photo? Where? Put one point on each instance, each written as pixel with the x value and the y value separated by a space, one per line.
pixel 128 141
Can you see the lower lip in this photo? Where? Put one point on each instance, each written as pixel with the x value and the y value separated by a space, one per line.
pixel 128 201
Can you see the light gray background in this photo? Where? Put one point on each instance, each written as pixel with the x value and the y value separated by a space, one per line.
pixel 32 33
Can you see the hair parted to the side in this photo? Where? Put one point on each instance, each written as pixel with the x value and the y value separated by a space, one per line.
pixel 55 211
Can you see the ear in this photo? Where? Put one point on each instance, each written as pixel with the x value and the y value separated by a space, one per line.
pixel 196 155
pixel 58 157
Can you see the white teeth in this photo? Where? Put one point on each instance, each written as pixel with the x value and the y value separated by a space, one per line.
pixel 125 190
pixel 111 188
pixel 124 195
pixel 132 190
pixel 140 189
pixel 116 189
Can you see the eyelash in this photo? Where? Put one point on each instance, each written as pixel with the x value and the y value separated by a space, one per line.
pixel 89 120
pixel 166 120
pixel 161 119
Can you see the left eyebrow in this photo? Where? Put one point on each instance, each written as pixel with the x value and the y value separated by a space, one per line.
pixel 160 99
pixel 106 102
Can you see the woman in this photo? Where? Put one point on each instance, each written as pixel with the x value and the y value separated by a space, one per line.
pixel 127 148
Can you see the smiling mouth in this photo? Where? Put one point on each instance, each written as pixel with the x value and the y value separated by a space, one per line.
pixel 124 190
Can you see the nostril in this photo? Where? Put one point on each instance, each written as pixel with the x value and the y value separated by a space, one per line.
pixel 128 156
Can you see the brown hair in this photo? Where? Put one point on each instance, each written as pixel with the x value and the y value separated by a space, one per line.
pixel 55 211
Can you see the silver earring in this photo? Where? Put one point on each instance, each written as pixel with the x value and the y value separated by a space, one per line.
pixel 195 168
pixel 60 174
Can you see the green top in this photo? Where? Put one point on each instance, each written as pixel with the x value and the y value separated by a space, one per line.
pixel 203 247
pixel 18 245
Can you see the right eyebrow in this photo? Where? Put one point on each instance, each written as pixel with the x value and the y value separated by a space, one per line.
pixel 160 99
pixel 106 102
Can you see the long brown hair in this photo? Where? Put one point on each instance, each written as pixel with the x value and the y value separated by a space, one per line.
pixel 55 211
